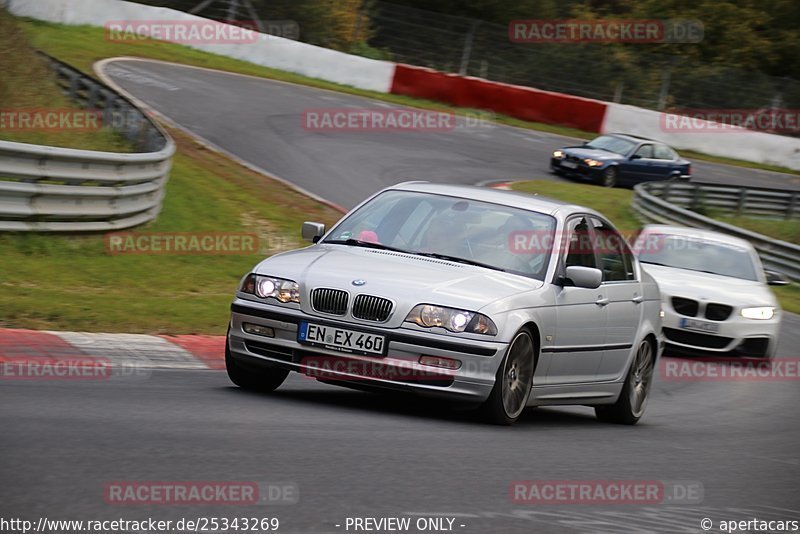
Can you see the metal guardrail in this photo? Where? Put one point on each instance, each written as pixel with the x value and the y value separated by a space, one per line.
pixel 49 189
pixel 732 200
pixel 658 202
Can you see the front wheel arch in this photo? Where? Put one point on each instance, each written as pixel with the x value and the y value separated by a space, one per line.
pixel 494 409
pixel 622 410
pixel 610 176
pixel 536 335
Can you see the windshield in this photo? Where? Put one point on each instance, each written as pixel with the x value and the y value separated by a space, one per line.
pixel 612 144
pixel 469 231
pixel 697 255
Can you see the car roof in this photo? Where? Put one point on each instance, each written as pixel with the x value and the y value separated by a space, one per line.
pixel 634 138
pixel 697 233
pixel 516 199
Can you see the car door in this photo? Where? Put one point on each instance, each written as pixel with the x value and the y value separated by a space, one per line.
pixel 664 162
pixel 577 347
pixel 639 165
pixel 624 294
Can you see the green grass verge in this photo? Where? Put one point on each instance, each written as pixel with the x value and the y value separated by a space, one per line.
pixel 783 230
pixel 27 84
pixel 83 45
pixel 616 205
pixel 72 283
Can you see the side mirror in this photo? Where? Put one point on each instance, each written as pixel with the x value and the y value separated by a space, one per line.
pixel 585 277
pixel 774 278
pixel 313 231
pixel 635 156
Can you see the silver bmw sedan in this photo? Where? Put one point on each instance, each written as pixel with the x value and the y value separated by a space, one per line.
pixel 493 298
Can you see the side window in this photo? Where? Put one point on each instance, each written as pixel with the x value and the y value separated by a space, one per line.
pixel 615 256
pixel 663 152
pixel 580 251
pixel 645 151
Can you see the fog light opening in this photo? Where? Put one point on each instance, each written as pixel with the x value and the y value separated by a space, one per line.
pixel 258 330
pixel 438 361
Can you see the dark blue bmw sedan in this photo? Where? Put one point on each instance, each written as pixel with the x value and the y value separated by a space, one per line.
pixel 622 159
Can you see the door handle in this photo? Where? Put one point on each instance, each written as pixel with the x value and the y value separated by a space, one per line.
pixel 638 299
pixel 602 301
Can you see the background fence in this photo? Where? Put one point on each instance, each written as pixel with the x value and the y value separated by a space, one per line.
pixel 478 48
pixel 673 203
pixel 50 189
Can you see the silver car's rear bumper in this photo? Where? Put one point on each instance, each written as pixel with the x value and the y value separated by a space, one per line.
pixel 398 369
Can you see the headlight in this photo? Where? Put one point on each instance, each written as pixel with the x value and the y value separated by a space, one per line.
pixel 454 320
pixel 763 313
pixel 592 162
pixel 558 154
pixel 267 287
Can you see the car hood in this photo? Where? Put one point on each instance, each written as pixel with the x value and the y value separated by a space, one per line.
pixel 710 287
pixel 593 153
pixel 406 279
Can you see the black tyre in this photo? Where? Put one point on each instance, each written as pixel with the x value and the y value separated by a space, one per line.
pixel 513 382
pixel 632 401
pixel 609 177
pixel 262 379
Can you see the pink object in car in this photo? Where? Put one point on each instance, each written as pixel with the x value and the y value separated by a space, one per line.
pixel 368 236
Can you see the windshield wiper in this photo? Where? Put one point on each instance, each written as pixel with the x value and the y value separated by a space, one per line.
pixel 456 259
pixel 366 244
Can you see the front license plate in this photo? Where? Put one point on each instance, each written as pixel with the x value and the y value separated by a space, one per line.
pixel 569 164
pixel 340 339
pixel 699 326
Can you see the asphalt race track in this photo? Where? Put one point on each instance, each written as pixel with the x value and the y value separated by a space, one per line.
pixel 354 454
pixel 360 454
pixel 261 121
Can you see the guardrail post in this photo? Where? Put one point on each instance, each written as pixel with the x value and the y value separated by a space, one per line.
pixel 91 102
pixel 696 204
pixel 666 191
pixel 792 206
pixel 73 85
pixel 741 204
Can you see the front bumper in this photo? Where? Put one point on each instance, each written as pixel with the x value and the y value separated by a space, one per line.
pixel 398 369
pixel 580 171
pixel 736 336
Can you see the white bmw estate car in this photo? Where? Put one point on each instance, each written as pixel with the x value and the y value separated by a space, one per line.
pixel 715 292
pixel 494 298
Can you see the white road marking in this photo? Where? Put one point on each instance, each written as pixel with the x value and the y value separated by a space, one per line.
pixel 133 350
